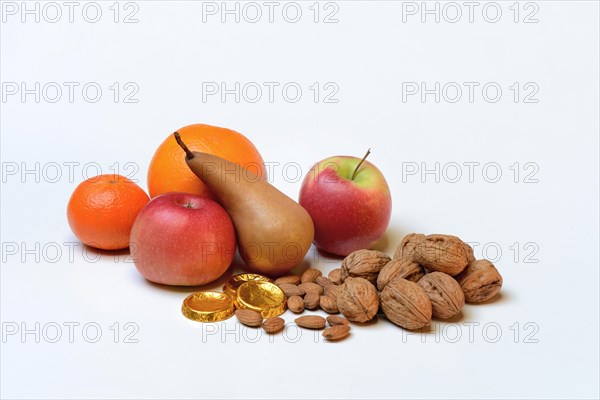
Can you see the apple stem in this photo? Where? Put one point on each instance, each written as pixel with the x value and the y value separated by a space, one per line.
pixel 188 153
pixel 360 163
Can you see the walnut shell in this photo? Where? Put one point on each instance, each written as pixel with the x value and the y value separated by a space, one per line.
pixel 357 299
pixel 364 264
pixel 406 248
pixel 406 304
pixel 445 294
pixel 332 291
pixel 470 253
pixel 480 281
pixel 406 269
pixel 443 253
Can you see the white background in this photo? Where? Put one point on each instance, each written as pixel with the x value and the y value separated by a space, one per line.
pixel 541 337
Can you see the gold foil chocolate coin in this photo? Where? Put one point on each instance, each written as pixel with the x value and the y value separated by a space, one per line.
pixel 265 297
pixel 208 306
pixel 236 281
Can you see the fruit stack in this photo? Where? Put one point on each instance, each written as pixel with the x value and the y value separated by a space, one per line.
pixel 210 196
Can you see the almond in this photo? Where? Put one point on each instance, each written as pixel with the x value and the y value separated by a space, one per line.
pixel 310 275
pixel 249 317
pixel 273 324
pixel 311 322
pixel 295 304
pixel 311 300
pixel 336 332
pixel 291 279
pixel 291 290
pixel 336 276
pixel 337 320
pixel 323 282
pixel 329 305
pixel 311 287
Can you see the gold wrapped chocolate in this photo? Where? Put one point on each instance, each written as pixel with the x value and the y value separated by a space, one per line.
pixel 264 297
pixel 208 306
pixel 236 281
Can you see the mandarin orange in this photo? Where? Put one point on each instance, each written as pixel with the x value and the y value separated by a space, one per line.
pixel 102 210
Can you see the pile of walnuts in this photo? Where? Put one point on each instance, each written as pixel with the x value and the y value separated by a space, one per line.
pixel 429 276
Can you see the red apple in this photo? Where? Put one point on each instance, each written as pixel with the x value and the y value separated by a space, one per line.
pixel 349 202
pixel 182 239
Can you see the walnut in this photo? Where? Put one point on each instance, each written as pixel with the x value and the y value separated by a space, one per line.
pixel 357 299
pixel 332 291
pixel 480 281
pixel 445 294
pixel 443 253
pixel 469 251
pixel 406 304
pixel 406 269
pixel 405 249
pixel 364 264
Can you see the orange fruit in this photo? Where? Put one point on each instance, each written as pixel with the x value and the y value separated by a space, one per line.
pixel 168 171
pixel 102 210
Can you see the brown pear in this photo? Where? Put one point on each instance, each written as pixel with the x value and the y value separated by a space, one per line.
pixel 273 232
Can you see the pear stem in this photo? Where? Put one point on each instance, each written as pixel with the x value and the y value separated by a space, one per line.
pixel 359 164
pixel 188 153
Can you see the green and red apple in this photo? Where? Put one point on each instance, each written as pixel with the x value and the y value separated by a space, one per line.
pixel 349 202
pixel 182 239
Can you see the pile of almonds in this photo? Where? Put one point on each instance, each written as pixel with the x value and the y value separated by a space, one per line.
pixel 339 327
pixel 309 291
pixel 428 277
